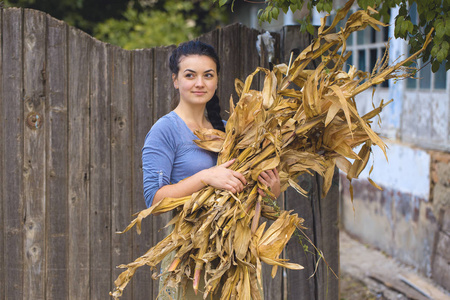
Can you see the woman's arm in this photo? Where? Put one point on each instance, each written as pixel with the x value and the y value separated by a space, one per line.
pixel 220 177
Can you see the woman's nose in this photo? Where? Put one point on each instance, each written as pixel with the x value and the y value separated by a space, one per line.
pixel 199 81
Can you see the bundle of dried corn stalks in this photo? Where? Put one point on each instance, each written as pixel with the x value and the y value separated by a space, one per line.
pixel 301 121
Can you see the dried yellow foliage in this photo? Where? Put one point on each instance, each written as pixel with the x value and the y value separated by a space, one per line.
pixel 301 121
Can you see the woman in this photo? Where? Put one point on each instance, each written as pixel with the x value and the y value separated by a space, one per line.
pixel 173 165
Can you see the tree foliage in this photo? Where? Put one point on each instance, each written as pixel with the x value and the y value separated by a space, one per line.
pixel 173 22
pixel 416 18
pixel 134 23
pixel 83 14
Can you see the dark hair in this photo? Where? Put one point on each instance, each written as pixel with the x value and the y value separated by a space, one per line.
pixel 200 48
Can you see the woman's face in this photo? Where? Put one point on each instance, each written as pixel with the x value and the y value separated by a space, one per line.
pixel 196 79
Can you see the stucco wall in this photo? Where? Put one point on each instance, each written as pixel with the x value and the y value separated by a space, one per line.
pixel 408 218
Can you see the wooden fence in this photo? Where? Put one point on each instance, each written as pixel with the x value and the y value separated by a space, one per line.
pixel 74 115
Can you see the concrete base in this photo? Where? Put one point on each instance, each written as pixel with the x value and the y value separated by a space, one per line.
pixel 400 224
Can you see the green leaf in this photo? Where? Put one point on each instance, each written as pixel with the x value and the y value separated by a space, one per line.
pixel 435 66
pixel 363 4
pixel 445 45
pixel 293 7
pixel 328 7
pixel 275 12
pixel 440 29
pixel 441 55
pixel 410 26
pixel 397 31
pixel 403 11
pixel 310 28
pixel 223 2
pixel 447 27
pixel 430 15
pixel 435 50
pixel 319 6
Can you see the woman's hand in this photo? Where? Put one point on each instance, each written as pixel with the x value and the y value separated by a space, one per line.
pixel 220 177
pixel 271 179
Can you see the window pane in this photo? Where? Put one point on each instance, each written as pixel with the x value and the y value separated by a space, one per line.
pixel 413 13
pixel 385 33
pixel 440 78
pixel 360 37
pixel 350 39
pixel 385 83
pixel 411 83
pixel 349 62
pixel 425 77
pixel 373 35
pixel 362 60
pixel 373 59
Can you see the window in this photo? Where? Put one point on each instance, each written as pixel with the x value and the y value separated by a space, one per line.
pixel 367 47
pixel 425 79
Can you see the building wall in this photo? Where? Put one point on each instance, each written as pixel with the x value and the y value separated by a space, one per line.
pixel 410 218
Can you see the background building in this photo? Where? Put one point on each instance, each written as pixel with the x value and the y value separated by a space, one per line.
pixel 410 218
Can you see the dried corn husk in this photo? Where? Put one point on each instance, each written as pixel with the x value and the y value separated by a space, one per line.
pixel 301 121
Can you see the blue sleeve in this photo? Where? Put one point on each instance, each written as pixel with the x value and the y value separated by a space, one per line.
pixel 158 155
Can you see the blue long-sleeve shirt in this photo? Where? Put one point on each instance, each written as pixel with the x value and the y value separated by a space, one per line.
pixel 170 155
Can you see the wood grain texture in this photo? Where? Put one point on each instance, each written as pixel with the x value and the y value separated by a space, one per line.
pixel 321 220
pixel 2 216
pixel 71 183
pixel 163 93
pixel 299 250
pixel 34 168
pixel 101 278
pixel 274 287
pixel 329 222
pixel 121 163
pixel 12 144
pixel 142 120
pixel 79 49
pixel 230 54
pixel 249 58
pixel 57 239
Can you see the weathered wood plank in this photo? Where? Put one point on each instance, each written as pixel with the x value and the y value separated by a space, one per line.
pixel 57 283
pixel 273 287
pixel 229 52
pixel 299 285
pixel 211 38
pixel 249 59
pixel 121 164
pixel 142 91
pixel 100 173
pixel 12 144
pixel 163 94
pixel 329 222
pixel 321 219
pixel 34 153
pixel 79 49
pixel 2 225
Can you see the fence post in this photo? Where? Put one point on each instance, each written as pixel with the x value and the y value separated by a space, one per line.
pixel 320 214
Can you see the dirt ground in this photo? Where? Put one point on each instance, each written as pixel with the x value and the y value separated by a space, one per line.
pixel 354 289
pixel 367 274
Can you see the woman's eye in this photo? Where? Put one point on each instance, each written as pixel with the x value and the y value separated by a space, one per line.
pixel 189 75
pixel 209 75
